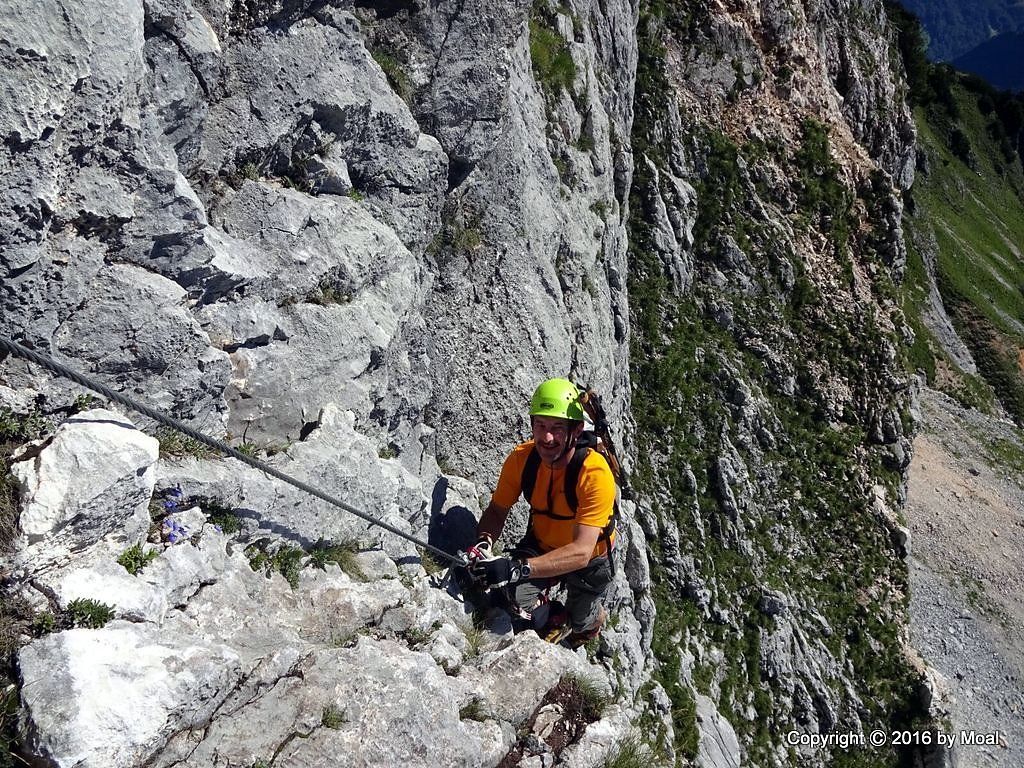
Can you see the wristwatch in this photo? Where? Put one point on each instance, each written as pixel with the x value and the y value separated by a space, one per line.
pixel 524 569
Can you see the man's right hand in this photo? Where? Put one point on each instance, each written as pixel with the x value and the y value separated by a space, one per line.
pixel 479 551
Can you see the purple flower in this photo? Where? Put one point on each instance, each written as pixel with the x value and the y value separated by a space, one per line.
pixel 170 505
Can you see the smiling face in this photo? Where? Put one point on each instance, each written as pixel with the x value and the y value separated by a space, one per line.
pixel 552 435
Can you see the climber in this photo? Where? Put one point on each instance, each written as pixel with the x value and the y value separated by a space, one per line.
pixel 570 533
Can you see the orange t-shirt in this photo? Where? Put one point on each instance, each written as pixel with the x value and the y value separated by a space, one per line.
pixel 595 492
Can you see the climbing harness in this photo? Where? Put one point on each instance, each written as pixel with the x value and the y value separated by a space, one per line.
pixel 51 365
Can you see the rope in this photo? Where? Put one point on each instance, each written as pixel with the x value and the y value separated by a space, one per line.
pixel 52 365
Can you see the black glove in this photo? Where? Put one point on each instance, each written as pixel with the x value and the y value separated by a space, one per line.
pixel 497 571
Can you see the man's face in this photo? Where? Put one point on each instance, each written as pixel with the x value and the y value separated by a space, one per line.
pixel 551 435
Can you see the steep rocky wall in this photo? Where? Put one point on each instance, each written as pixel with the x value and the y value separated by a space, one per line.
pixel 354 236
pixel 349 238
pixel 771 401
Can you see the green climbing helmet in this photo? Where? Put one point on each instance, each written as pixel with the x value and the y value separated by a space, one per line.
pixel 558 398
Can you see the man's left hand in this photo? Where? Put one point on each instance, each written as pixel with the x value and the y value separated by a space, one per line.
pixel 496 572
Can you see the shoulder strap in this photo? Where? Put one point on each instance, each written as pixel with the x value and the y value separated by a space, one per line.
pixel 529 479
pixel 572 477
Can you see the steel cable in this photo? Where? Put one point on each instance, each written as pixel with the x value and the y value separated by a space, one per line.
pixel 61 370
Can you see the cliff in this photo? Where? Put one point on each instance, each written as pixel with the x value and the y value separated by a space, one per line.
pixel 350 238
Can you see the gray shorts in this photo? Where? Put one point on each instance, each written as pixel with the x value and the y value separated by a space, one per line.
pixel 585 589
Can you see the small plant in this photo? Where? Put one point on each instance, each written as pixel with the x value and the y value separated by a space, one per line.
pixel 467 240
pixel 247 449
pixel 415 636
pixel 333 717
pixel 327 294
pixel 134 559
pixel 176 445
pixel 592 699
pixel 387 452
pixel 172 531
pixel 430 565
pixel 44 623
pixel 474 642
pixel 552 60
pixel 288 562
pixel 399 81
pixel 89 613
pixel 474 710
pixel 219 514
pixel 83 402
pixel 343 553
pixel 356 195
pixel 249 171
pixel 633 753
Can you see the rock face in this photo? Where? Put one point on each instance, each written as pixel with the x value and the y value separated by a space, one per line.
pixel 351 238
pixel 86 493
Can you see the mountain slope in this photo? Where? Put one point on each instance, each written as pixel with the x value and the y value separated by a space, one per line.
pixel 998 61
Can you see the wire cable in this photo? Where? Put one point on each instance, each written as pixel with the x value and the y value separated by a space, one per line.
pixel 61 370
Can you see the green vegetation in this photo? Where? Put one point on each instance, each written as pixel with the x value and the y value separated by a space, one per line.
pixel 429 563
pixel 218 513
pixel 812 465
pixel 89 613
pixel 550 54
pixel 585 695
pixel 134 559
pixel 333 717
pixel 174 444
pixel 633 752
pixel 16 429
pixel 475 638
pixel 397 77
pixel 328 293
pixel 287 561
pixel 343 553
pixel 966 204
pixel 474 710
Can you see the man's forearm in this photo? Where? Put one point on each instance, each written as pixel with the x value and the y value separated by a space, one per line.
pixel 560 561
pixel 492 522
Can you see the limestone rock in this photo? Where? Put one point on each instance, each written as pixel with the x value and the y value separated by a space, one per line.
pixel 132 688
pixel 86 494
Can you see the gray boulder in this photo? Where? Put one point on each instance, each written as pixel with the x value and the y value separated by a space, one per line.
pixel 112 697
pixel 86 494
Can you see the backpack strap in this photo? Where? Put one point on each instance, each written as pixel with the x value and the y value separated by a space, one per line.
pixel 572 478
pixel 529 481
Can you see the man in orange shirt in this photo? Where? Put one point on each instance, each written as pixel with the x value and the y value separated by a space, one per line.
pixel 570 533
